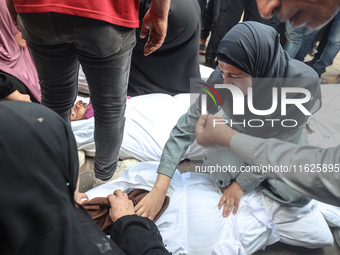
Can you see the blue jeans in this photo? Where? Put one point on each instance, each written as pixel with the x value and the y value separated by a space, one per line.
pixel 332 48
pixel 276 23
pixel 295 37
pixel 58 43
pixel 306 44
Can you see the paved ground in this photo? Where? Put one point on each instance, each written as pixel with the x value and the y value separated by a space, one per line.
pixel 86 179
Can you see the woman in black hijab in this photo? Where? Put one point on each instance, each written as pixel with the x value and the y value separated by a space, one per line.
pixel 39 173
pixel 253 49
pixel 250 56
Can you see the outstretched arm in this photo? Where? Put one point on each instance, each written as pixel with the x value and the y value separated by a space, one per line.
pixel 314 171
pixel 182 135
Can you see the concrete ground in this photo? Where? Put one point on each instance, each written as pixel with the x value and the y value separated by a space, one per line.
pixel 86 179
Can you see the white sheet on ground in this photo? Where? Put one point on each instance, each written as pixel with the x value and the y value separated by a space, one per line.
pixel 192 224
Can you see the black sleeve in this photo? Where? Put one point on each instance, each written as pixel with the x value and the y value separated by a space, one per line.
pixel 9 84
pixel 6 86
pixel 137 235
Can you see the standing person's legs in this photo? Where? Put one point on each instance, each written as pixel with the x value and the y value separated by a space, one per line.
pixel 322 37
pixel 207 20
pixel 229 15
pixel 294 39
pixel 55 60
pixel 202 4
pixel 251 13
pixel 207 23
pixel 306 43
pixel 104 51
pixel 210 49
pixel 332 48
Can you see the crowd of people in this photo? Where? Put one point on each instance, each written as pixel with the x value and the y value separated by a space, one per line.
pixel 297 41
pixel 129 48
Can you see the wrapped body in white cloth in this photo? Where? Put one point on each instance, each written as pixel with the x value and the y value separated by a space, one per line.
pixel 192 224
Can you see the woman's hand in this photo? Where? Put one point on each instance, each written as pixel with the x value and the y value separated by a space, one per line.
pixel 152 203
pixel 120 205
pixel 21 41
pixel 81 197
pixel 231 198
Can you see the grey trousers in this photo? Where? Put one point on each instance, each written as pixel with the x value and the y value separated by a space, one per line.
pixel 58 43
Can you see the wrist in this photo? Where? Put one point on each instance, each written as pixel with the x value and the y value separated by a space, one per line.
pixel 238 185
pixel 162 184
pixel 228 137
pixel 160 8
pixel 119 216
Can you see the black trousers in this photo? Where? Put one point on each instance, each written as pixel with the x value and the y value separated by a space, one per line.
pixel 230 14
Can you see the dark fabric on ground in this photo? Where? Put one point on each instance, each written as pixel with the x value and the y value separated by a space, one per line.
pixel 99 208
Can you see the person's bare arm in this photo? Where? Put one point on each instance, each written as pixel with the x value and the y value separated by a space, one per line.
pixel 155 23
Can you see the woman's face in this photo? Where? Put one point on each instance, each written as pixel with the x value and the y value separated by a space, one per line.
pixel 235 76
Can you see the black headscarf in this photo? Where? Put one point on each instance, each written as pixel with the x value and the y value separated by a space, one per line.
pixel 255 49
pixel 39 171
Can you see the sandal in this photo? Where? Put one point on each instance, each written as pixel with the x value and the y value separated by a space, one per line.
pixel 324 80
pixel 202 49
